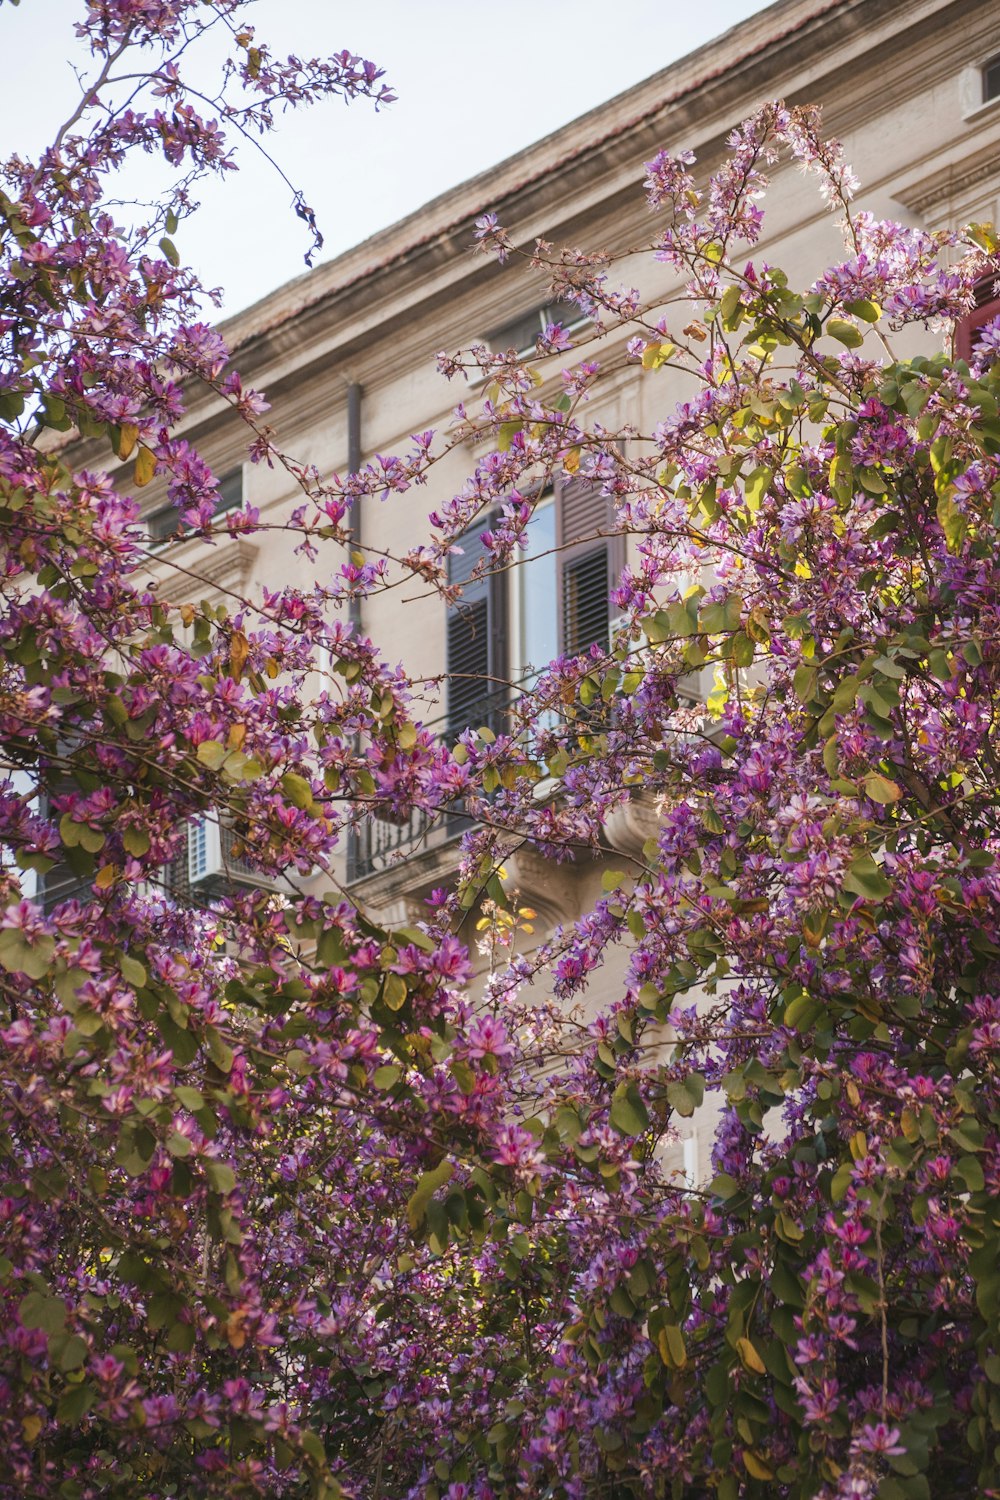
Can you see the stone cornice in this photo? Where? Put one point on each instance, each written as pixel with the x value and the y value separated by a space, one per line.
pixel 924 194
pixel 591 167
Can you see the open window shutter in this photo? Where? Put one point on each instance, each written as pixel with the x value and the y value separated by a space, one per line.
pixel 476 642
pixel 589 563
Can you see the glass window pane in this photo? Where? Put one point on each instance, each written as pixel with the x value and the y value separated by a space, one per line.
pixel 535 583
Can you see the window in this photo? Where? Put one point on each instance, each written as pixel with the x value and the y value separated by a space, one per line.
pixel 991 80
pixel 534 586
pixel 520 334
pixel 590 561
pixel 554 602
pixel 986 309
pixel 165 524
pixel 476 640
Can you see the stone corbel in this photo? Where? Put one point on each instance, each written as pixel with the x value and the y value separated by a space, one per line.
pixel 629 826
pixel 551 889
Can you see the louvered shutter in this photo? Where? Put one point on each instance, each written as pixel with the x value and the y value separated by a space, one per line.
pixel 987 307
pixel 589 563
pixel 476 642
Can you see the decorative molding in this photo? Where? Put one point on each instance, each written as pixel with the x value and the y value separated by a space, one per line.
pixel 551 889
pixel 628 827
pixel 221 573
pixel 955 178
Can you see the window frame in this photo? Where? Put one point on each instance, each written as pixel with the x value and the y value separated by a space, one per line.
pixel 501 340
pixel 987 307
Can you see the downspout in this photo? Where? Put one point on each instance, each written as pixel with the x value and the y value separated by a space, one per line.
pixel 359 837
pixel 354 394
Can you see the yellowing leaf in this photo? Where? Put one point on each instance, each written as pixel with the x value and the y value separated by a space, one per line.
pixel 655 355
pixel 394 991
pixel 239 650
pixel 145 465
pixel 670 1342
pixel 880 789
pixel 128 436
pixel 748 1354
pixel 755 1465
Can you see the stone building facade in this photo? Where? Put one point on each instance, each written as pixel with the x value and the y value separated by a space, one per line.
pixel 346 353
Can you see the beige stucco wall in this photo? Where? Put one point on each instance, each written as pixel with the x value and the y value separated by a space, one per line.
pixel 898 83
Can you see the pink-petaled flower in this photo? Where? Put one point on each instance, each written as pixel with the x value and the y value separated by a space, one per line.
pixel 513 1146
pixel 106 1369
pixel 878 1437
pixel 487 1036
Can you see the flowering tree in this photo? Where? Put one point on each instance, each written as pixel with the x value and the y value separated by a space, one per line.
pixel 290 1208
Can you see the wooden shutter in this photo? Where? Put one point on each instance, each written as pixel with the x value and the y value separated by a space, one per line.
pixel 476 642
pixel 986 309
pixel 589 563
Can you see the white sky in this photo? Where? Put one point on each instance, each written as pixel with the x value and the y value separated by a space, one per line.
pixel 476 83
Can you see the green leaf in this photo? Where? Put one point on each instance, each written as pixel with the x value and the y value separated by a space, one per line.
pixel 394 991
pixel 724 1186
pixel 220 1176
pixel 37 1310
pixel 170 251
pixel 864 308
pixel 145 465
pixel 136 841
pixel 751 1360
pixel 971 1172
pixel 628 1112
pixel 730 308
pixel 80 835
pixel 219 1050
pixel 428 1185
pixel 756 486
pixel 211 753
pixel 19 956
pixel 845 333
pixel 132 971
pixel 298 791
pixel 804 682
pixel 67 1351
pixel 684 1095
pixel 74 1403
pixel 841 1181
pixel 655 355
pixel 864 878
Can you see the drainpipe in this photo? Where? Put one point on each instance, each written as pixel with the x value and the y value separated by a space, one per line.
pixel 354 394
